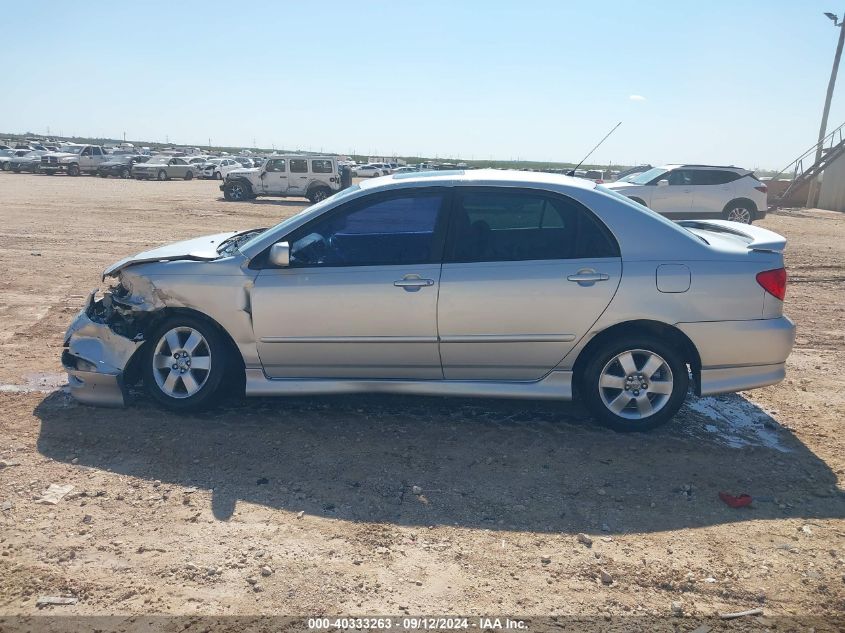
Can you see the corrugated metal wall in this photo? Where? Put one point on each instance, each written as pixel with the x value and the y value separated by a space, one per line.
pixel 832 193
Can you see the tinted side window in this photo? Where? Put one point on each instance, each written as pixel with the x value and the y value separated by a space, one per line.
pixel 387 230
pixel 521 226
pixel 275 164
pixel 299 165
pixel 680 177
pixel 97 151
pixel 321 166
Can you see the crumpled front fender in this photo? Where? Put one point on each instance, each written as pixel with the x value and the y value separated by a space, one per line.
pixel 95 358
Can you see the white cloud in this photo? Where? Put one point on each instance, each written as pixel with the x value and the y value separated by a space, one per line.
pixel 636 98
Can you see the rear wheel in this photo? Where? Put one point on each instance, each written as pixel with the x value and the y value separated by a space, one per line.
pixel 635 384
pixel 124 173
pixel 319 194
pixel 73 170
pixel 184 363
pixel 189 175
pixel 740 212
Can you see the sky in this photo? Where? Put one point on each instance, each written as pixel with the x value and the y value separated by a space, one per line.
pixel 724 81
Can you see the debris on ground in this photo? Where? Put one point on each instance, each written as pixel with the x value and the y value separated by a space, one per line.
pixel 46 601
pixel 740 501
pixel 54 494
pixel 584 539
pixel 741 614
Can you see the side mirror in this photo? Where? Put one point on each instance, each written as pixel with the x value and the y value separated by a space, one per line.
pixel 662 183
pixel 280 254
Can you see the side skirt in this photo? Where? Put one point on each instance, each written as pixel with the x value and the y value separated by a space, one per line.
pixel 555 386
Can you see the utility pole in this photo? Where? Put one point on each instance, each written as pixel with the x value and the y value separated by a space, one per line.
pixel 812 192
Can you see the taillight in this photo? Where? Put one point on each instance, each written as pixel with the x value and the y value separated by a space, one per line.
pixel 773 282
pixel 762 188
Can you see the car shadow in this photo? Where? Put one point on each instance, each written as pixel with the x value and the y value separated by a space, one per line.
pixel 496 464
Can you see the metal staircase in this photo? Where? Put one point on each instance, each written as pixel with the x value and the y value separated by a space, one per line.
pixel 805 167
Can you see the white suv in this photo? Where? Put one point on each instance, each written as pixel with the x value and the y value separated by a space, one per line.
pixel 312 177
pixel 698 191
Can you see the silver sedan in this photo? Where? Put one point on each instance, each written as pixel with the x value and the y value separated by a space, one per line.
pixel 485 283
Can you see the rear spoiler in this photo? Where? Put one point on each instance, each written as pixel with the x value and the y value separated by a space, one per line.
pixel 760 239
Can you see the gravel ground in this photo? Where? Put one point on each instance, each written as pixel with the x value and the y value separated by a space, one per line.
pixel 395 505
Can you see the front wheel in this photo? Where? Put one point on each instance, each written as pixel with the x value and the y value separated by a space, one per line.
pixel 73 170
pixel 189 175
pixel 236 192
pixel 218 175
pixel 162 175
pixel 635 384
pixel 184 363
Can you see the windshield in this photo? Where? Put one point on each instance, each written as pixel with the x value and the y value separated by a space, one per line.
pixel 159 160
pixel 647 176
pixel 7 152
pixel 313 209
pixel 214 161
pixel 72 149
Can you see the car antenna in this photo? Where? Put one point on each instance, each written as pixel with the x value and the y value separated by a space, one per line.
pixel 571 172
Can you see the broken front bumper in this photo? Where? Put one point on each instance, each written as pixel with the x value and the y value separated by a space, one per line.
pixel 95 358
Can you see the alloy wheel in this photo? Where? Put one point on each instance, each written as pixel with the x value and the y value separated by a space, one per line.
pixel 181 362
pixel 635 384
pixel 740 214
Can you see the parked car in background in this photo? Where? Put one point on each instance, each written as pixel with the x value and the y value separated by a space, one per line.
pixel 29 162
pixel 163 167
pixel 7 155
pixel 699 191
pixel 632 171
pixel 312 177
pixel 549 287
pixel 405 170
pixel 74 159
pixel 120 165
pixel 217 168
pixel 244 161
pixel 367 171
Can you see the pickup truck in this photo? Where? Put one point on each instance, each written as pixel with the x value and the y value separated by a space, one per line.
pixel 74 160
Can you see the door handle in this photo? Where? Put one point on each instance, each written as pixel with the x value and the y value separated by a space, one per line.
pixel 412 283
pixel 588 277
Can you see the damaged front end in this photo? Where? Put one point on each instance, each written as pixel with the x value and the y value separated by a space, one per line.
pixel 100 344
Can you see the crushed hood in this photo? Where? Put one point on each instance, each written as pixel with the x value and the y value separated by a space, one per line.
pixel 197 249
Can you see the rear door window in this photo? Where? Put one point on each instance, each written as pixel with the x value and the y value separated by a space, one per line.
pixel 299 166
pixel 517 225
pixel 321 166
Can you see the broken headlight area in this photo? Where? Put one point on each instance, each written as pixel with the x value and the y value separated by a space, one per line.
pixel 117 308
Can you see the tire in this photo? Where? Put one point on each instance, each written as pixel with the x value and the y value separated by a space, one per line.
pixel 236 192
pixel 319 194
pixel 162 175
pixel 740 211
pixel 218 175
pixel 73 170
pixel 125 173
pixel 187 387
pixel 611 383
pixel 189 175
pixel 103 175
pixel 5 166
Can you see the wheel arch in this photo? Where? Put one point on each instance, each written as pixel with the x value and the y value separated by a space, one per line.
pixel 641 327
pixel 742 200
pixel 237 372
pixel 242 181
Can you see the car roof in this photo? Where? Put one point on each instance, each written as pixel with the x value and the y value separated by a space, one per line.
pixel 480 177
pixel 697 166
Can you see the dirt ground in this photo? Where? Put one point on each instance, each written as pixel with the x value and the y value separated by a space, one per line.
pixel 395 505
